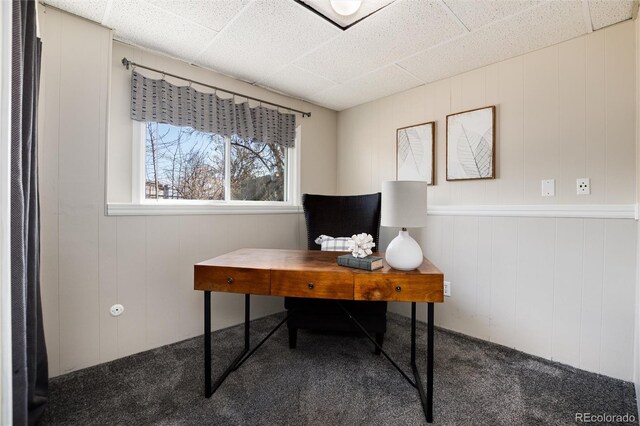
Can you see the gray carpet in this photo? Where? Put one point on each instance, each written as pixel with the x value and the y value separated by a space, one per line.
pixel 333 380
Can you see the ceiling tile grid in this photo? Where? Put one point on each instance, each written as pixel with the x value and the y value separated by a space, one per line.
pixel 398 30
pixel 292 79
pixel 146 25
pixel 213 14
pixel 608 12
pixel 386 81
pixel 89 9
pixel 265 37
pixel 533 29
pixel 475 14
pixel 281 45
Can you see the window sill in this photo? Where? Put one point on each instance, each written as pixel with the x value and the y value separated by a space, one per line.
pixel 165 209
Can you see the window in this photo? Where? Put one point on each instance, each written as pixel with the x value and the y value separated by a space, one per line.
pixel 186 164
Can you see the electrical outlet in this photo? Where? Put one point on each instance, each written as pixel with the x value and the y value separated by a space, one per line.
pixel 116 310
pixel 583 186
pixel 447 288
pixel 549 188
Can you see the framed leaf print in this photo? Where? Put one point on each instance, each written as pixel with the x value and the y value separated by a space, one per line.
pixel 471 143
pixel 414 152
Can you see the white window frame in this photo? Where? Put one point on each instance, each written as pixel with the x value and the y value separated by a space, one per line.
pixel 142 206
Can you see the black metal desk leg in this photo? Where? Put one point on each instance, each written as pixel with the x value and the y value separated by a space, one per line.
pixel 209 388
pixel 207 344
pixel 413 333
pixel 247 320
pixel 430 362
pixel 425 399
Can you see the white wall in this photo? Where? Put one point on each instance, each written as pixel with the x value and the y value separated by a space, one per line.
pixel 91 261
pixel 559 288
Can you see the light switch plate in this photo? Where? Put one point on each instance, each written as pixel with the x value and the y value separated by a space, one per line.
pixel 549 188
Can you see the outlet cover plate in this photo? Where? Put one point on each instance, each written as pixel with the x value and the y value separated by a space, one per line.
pixel 447 288
pixel 583 186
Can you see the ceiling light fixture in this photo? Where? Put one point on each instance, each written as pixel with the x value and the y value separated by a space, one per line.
pixel 346 7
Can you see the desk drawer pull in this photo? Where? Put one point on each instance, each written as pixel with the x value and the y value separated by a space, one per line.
pixel 398 288
pixel 229 280
pixel 310 285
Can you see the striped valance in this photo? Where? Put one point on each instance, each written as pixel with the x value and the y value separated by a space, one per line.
pixel 163 102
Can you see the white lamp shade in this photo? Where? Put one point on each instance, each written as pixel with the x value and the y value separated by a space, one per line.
pixel 404 204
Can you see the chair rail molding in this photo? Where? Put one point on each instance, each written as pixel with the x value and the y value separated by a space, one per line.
pixel 597 211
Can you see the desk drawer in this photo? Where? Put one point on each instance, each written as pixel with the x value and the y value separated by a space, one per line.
pixel 319 285
pixel 399 288
pixel 232 280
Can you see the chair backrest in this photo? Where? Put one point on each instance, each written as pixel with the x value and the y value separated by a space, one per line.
pixel 341 216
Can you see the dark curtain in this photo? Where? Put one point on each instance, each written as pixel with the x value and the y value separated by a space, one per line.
pixel 29 354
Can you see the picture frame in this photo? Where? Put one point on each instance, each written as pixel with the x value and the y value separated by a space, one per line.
pixel 415 152
pixel 470 144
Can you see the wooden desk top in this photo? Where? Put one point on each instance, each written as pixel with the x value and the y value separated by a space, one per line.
pixel 315 274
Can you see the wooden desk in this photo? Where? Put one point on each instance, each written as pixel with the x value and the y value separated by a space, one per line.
pixel 315 274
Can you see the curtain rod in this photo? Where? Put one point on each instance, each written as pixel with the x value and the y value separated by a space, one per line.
pixel 127 63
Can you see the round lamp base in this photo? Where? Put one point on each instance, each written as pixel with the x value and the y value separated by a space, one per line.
pixel 404 253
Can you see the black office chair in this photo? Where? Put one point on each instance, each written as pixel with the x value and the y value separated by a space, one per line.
pixel 338 216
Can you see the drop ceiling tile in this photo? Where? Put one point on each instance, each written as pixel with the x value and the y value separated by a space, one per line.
pixel 148 26
pixel 608 12
pixel 542 26
pixel 213 14
pixel 266 36
pixel 367 7
pixel 90 9
pixel 478 13
pixel 296 81
pixel 401 29
pixel 378 84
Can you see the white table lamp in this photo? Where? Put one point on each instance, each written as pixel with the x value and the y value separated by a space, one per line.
pixel 404 205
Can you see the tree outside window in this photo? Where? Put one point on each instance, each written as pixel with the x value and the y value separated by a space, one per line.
pixel 182 163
